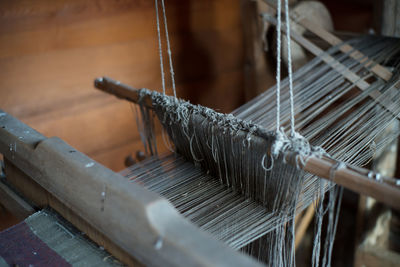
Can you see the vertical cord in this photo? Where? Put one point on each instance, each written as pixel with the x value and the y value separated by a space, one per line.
pixel 278 67
pixel 160 48
pixel 292 130
pixel 171 69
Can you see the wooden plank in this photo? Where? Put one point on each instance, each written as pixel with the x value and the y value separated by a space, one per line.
pixel 14 203
pixel 138 221
pixel 45 75
pixel 102 134
pixel 28 15
pixel 82 24
pixel 50 52
pixel 42 199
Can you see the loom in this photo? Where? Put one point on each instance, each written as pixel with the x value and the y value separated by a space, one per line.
pixel 226 181
pixel 191 129
pixel 193 149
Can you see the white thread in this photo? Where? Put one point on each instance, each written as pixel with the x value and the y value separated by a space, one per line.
pixel 289 67
pixel 160 48
pixel 263 163
pixel 171 69
pixel 278 66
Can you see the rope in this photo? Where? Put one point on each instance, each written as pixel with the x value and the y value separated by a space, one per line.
pixel 160 48
pixel 171 68
pixel 292 131
pixel 278 67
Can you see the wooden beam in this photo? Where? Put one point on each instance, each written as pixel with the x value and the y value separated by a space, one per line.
pixel 354 178
pixel 141 223
pixel 14 203
pixel 42 199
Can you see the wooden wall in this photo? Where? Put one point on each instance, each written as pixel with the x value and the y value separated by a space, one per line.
pixel 51 51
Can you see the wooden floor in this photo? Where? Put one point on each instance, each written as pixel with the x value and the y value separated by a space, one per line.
pixel 51 51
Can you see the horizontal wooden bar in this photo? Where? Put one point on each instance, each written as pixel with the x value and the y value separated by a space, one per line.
pixel 140 222
pixel 41 198
pixel 353 178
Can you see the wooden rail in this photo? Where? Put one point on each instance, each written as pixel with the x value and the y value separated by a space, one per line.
pixel 356 179
pixel 140 223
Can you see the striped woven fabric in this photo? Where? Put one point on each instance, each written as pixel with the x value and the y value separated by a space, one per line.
pixel 45 239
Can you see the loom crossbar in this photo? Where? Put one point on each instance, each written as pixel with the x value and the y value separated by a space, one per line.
pixel 356 179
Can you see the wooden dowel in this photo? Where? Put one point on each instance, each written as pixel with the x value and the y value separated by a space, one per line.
pixel 121 91
pixel 356 179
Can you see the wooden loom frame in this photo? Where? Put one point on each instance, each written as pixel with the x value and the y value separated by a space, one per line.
pixel 39 181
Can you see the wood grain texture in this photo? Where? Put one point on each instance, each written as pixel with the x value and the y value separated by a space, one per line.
pixel 134 218
pixel 42 199
pixel 51 51
pixel 14 203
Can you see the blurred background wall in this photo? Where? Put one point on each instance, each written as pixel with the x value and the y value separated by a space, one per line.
pixel 51 51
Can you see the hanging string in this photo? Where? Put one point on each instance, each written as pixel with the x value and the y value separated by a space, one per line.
pixel 171 68
pixel 160 48
pixel 289 50
pixel 278 67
